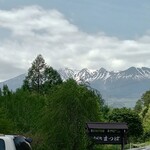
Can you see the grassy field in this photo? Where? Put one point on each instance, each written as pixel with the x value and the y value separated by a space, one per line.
pixel 109 147
pixel 118 147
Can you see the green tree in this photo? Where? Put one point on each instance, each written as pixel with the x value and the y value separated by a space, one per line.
pixel 146 121
pixel 146 98
pixel 26 109
pixel 34 80
pixel 40 76
pixel 51 78
pixel 6 90
pixel 138 107
pixel 0 92
pixel 135 128
pixel 142 105
pixel 68 109
pixel 6 124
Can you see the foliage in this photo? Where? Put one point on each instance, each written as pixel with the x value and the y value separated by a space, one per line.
pixel 146 122
pixel 54 113
pixel 143 104
pixel 143 108
pixel 34 79
pixel 138 107
pixel 132 119
pixel 145 115
pixel 51 78
pixel 41 76
pixel 6 124
pixel 6 91
pixel 0 92
pixel 68 109
pixel 146 98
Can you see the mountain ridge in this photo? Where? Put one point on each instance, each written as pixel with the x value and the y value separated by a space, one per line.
pixel 132 72
pixel 122 87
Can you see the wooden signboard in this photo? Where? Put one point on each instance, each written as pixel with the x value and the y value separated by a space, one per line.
pixel 107 133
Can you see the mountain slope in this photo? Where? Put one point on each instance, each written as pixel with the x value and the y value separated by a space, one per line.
pixel 14 83
pixel 122 88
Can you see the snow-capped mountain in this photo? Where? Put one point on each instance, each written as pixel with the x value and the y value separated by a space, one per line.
pixel 121 88
pixel 104 75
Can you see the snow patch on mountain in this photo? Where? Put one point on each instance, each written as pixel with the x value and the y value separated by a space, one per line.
pixel 124 87
pixel 102 74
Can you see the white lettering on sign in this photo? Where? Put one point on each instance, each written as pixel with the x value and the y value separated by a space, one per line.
pixel 106 138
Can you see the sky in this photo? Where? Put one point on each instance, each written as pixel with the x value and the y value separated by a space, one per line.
pixel 75 34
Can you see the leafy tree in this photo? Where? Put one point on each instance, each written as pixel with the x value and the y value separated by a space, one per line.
pixel 26 109
pixel 40 76
pixel 145 115
pixel 34 79
pixel 146 98
pixel 0 92
pixel 6 90
pixel 135 128
pixel 146 121
pixel 138 107
pixel 142 105
pixel 6 124
pixel 51 78
pixel 143 112
pixel 67 111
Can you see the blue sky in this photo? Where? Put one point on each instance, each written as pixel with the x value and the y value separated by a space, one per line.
pixel 124 19
pixel 113 34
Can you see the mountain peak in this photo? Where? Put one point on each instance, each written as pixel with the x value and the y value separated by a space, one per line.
pixel 103 70
pixel 121 87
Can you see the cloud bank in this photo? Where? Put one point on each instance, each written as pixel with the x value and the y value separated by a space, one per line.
pixel 32 30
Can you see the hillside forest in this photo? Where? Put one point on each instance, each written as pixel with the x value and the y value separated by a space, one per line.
pixel 54 112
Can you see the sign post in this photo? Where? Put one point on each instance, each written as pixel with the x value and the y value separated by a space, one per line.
pixel 107 133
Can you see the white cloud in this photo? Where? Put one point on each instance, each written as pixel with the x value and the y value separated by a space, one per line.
pixel 34 31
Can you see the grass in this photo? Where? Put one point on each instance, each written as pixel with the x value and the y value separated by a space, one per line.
pixel 109 147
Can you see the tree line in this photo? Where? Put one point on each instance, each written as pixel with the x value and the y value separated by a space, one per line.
pixel 54 112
